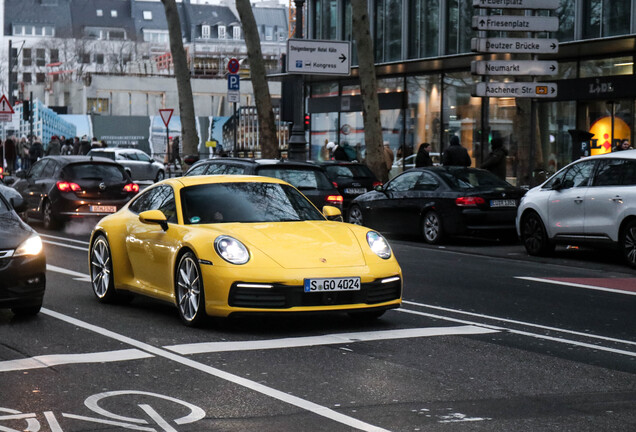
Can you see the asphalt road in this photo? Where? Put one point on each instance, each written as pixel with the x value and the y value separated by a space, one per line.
pixel 487 339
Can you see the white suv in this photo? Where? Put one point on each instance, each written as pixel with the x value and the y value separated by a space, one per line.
pixel 590 201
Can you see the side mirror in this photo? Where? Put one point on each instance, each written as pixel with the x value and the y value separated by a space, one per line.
pixel 154 217
pixel 18 204
pixel 379 188
pixel 332 213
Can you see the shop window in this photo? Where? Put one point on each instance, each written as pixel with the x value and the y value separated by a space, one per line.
pixel 423 113
pixel 607 67
pixel 567 70
pixel 424 28
pixel 328 89
pixel 351 90
pixel 461 112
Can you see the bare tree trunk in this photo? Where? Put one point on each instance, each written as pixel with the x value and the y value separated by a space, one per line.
pixel 266 123
pixel 369 90
pixel 189 136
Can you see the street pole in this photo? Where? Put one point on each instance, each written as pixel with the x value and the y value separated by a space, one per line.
pixel 297 142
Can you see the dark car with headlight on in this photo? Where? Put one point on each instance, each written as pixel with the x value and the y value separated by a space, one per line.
pixel 61 188
pixel 22 260
pixel 440 201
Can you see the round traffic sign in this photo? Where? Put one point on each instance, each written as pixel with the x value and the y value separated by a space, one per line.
pixel 233 65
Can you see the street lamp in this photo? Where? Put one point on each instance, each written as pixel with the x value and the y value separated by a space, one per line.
pixel 297 142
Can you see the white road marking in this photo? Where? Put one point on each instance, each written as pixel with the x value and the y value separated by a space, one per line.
pixel 161 422
pixel 53 423
pixel 576 285
pixel 339 338
pixel 65 239
pixel 62 359
pixel 65 245
pixel 82 277
pixel 252 385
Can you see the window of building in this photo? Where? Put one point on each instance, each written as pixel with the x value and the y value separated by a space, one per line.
pixel 99 58
pixel 221 32
pixel 40 57
pixel 606 67
pixel 148 15
pixel 54 55
pixel 458 26
pixel 158 36
pixel 269 33
pixel 566 15
pixel 326 19
pixel 113 13
pixel 424 28
pixel 27 78
pixel 85 58
pixel 18 30
pixel 100 12
pixel 100 105
pixel 40 78
pixel 48 31
pixel 388 30
pixel 236 32
pixel 460 111
pixel 423 112
pixel 104 33
pixel 602 18
pixel 26 57
pixel 205 31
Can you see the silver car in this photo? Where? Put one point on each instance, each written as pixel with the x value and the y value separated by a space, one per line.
pixel 138 164
pixel 590 201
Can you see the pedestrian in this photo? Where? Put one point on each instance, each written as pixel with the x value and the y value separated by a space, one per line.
pixel 54 147
pixel 36 151
pixel 95 143
pixel 455 154
pixel 10 154
pixel 76 145
pixel 423 158
pixel 103 143
pixel 624 145
pixel 23 151
pixel 389 157
pixel 337 152
pixel 175 153
pixel 84 145
pixel 67 147
pixel 496 160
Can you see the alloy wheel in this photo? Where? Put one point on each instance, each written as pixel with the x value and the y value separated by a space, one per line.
pixel 628 244
pixel 188 289
pixel 101 269
pixel 432 228
pixel 355 215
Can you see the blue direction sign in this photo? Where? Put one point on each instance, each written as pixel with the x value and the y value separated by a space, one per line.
pixel 233 82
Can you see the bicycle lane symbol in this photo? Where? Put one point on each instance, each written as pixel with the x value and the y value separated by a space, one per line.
pixel 112 419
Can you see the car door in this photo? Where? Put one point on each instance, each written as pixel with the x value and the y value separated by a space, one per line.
pixel 422 195
pixel 32 187
pixel 389 212
pixel 146 168
pixel 149 247
pixel 606 197
pixel 129 161
pixel 566 209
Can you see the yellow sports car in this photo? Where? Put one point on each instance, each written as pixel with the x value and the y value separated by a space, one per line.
pixel 221 245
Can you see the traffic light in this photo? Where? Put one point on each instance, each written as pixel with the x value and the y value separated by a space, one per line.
pixel 307 121
pixel 26 110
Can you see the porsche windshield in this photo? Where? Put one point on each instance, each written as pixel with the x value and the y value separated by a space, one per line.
pixel 245 202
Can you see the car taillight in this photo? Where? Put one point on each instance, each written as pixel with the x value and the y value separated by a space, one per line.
pixel 335 199
pixel 469 201
pixel 64 186
pixel 131 187
pixel 376 184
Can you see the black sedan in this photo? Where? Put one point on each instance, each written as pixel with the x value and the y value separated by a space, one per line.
pixel 60 188
pixel 440 201
pixel 351 179
pixel 22 260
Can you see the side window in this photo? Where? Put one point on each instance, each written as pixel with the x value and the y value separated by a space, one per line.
pixel 198 170
pixel 610 172
pixel 37 169
pixel 158 198
pixel 143 157
pixel 234 169
pixel 404 182
pixel 215 169
pixel 629 173
pixel 49 170
pixel 426 183
pixel 578 175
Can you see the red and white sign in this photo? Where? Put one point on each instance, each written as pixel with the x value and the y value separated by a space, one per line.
pixel 166 115
pixel 233 66
pixel 6 110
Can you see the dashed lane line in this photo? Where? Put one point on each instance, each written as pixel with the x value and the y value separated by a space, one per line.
pixel 631 290
pixel 45 361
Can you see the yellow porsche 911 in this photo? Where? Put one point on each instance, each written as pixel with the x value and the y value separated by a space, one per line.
pixel 222 245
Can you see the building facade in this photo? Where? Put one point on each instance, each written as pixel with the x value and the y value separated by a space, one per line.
pixel 426 89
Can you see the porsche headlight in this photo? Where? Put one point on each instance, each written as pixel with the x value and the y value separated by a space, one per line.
pixel 231 250
pixel 378 245
pixel 31 246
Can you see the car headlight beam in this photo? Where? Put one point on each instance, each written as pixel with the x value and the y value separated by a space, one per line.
pixel 231 250
pixel 31 246
pixel 378 245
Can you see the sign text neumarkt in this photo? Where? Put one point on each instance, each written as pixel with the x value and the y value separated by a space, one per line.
pixel 318 57
pixel 516 4
pixel 516 23
pixel 514 67
pixel 515 89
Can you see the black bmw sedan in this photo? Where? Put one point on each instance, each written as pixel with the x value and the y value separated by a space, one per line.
pixel 440 201
pixel 22 260
pixel 60 188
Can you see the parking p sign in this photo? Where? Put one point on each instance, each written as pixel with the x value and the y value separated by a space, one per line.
pixel 233 82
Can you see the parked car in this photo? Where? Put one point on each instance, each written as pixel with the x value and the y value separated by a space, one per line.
pixel 350 178
pixel 437 202
pixel 137 163
pixel 60 188
pixel 22 259
pixel 241 244
pixel 409 162
pixel 308 178
pixel 590 201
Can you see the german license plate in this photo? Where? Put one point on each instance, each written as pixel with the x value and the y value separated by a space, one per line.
pixel 503 203
pixel 103 209
pixel 332 284
pixel 354 191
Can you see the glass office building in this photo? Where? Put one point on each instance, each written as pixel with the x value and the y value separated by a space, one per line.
pixel 423 56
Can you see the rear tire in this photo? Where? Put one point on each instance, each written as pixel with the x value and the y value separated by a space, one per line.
pixel 628 243
pixel 534 236
pixel 49 221
pixel 432 228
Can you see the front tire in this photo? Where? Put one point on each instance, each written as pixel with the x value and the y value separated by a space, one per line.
pixel 160 176
pixel 102 271
pixel 27 310
pixel 189 290
pixel 534 236
pixel 355 215
pixel 628 243
pixel 432 228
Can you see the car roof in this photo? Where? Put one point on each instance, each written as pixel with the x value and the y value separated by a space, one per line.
pixel 260 162
pixel 66 160
pixel 625 154
pixel 209 179
pixel 116 150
